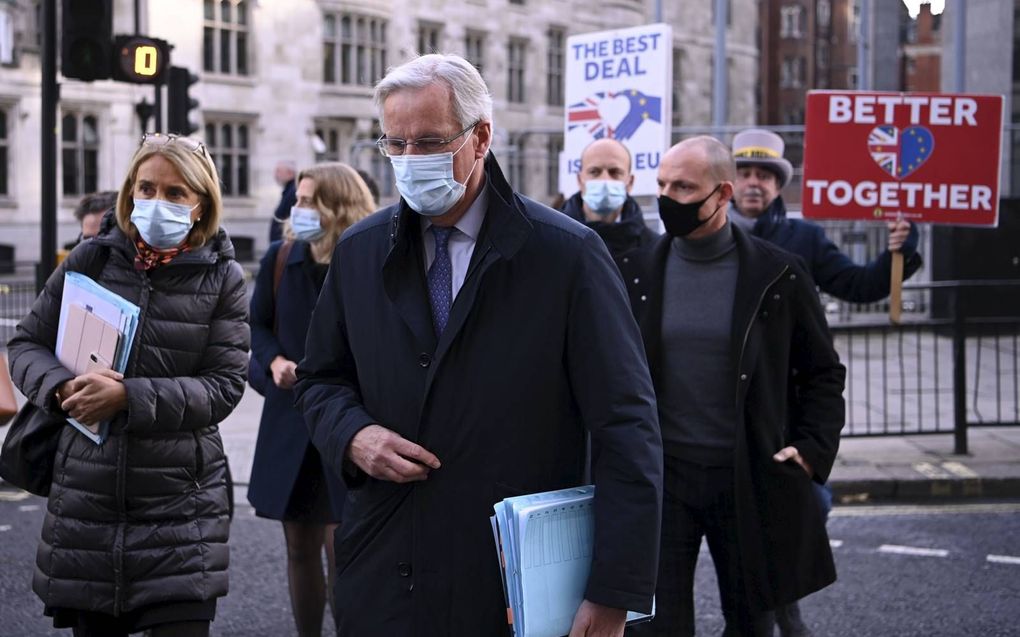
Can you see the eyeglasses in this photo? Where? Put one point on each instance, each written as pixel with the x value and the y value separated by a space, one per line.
pixel 159 139
pixel 394 146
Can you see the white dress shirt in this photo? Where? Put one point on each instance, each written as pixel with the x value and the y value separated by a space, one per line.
pixel 462 241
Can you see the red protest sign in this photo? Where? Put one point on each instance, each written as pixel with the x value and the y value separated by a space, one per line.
pixel 929 157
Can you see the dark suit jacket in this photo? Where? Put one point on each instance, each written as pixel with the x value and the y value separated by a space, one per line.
pixel 540 347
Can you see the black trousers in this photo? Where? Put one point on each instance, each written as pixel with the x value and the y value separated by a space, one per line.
pixel 698 501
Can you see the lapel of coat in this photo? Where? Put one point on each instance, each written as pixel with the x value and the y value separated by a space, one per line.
pixel 756 272
pixel 404 277
pixel 503 232
pixel 650 319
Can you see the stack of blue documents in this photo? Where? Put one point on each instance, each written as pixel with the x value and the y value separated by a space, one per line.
pixel 96 330
pixel 544 543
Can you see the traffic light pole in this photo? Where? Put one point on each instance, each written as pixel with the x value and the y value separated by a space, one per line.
pixel 157 109
pixel 48 145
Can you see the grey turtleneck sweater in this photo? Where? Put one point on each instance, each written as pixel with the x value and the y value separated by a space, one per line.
pixel 697 405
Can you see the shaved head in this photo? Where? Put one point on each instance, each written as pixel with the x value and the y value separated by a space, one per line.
pixel 607 144
pixel 718 160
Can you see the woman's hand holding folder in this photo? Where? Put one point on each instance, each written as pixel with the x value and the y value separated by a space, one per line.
pixel 94 397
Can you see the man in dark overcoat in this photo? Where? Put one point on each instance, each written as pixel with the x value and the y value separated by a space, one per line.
pixel 457 356
pixel 749 392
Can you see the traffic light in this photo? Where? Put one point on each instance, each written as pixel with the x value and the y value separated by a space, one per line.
pixel 139 60
pixel 86 29
pixel 180 104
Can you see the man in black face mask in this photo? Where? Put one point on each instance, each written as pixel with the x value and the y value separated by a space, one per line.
pixel 749 392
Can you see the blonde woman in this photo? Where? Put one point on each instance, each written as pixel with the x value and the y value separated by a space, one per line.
pixel 135 536
pixel 289 482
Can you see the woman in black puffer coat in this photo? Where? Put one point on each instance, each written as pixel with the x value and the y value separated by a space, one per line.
pixel 135 535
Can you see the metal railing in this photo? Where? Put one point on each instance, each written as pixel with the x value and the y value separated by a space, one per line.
pixel 958 368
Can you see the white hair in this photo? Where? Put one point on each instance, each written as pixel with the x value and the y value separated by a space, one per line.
pixel 468 92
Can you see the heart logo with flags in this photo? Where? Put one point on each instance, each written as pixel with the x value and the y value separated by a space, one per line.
pixel 900 152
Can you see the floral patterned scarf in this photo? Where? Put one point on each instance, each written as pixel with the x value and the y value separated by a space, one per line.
pixel 149 257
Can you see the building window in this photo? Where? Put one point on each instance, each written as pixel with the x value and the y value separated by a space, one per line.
pixel 678 63
pixel 552 171
pixel 429 37
pixel 474 49
pixel 353 49
pixel 327 144
pixel 854 24
pixel 230 146
pixel 792 72
pixel 516 164
pixel 79 135
pixel 225 37
pixel 515 70
pixel 517 2
pixel 824 12
pixel 6 36
pixel 5 144
pixel 792 22
pixel 554 74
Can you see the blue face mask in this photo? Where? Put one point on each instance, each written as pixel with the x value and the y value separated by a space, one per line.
pixel 604 196
pixel 305 223
pixel 426 181
pixel 162 224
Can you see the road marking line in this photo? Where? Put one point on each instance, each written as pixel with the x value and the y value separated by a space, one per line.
pixel 5 527
pixel 1003 559
pixel 959 469
pixel 856 511
pixel 24 508
pixel 14 496
pixel 912 550
pixel 835 543
pixel 929 470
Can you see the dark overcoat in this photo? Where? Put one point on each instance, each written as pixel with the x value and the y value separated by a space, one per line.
pixel 283 437
pixel 629 240
pixel 789 392
pixel 540 347
pixel 143 518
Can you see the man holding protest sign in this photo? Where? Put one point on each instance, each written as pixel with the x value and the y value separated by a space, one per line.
pixel 762 173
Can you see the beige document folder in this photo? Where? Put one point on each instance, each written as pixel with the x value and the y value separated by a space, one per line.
pixel 89 341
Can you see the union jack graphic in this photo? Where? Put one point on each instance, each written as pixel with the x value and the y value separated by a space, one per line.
pixel 586 114
pixel 884 145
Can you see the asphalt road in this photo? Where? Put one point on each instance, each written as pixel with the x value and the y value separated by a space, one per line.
pixel 950 571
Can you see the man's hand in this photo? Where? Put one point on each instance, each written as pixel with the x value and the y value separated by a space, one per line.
pixel 595 620
pixel 94 397
pixel 788 453
pixel 898 231
pixel 385 455
pixel 283 372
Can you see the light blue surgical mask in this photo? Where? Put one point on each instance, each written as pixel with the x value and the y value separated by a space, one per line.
pixel 604 196
pixel 305 223
pixel 426 181
pixel 162 224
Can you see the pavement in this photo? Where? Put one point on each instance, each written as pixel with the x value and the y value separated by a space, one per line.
pixel 900 468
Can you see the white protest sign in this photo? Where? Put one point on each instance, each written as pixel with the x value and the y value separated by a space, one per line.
pixel 619 85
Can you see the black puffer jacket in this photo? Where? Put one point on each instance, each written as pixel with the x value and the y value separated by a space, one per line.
pixel 143 518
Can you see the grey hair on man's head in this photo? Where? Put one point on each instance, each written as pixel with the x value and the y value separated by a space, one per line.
pixel 468 92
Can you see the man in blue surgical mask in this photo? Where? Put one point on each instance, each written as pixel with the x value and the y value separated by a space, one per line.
pixel 604 204
pixel 457 356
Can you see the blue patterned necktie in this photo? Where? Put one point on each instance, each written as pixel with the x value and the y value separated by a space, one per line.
pixel 440 279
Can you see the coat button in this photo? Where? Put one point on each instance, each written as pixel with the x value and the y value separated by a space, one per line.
pixel 793 277
pixel 636 281
pixel 404 569
pixel 644 298
pixel 424 359
pixel 765 314
pixel 775 297
pixel 743 377
pixel 626 259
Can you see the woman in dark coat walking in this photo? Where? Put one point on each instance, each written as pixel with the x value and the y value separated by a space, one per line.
pixel 289 482
pixel 135 535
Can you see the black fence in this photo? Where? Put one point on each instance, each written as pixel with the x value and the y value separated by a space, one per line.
pixel 956 367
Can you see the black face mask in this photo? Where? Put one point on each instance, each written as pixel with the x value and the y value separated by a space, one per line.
pixel 681 219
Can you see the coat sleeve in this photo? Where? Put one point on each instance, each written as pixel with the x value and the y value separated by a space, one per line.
pixel 205 399
pixel 610 380
pixel 34 367
pixel 264 345
pixel 837 275
pixel 327 390
pixel 818 378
